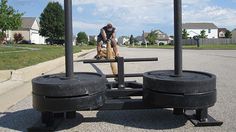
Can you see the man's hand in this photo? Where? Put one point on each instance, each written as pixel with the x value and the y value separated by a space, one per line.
pixel 107 40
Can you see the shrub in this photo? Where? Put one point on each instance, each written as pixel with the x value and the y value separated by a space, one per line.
pixel 161 44
pixel 18 37
pixel 92 42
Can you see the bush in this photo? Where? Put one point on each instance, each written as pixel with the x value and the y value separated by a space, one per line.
pixel 161 44
pixel 92 42
pixel 18 37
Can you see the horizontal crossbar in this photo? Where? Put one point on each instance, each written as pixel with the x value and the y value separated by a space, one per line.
pixel 115 60
pixel 125 75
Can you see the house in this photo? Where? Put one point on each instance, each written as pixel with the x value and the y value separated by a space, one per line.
pixel 139 39
pixel 29 30
pixel 123 40
pixel 194 29
pixel 161 37
pixel 221 32
pixel 234 34
pixel 93 38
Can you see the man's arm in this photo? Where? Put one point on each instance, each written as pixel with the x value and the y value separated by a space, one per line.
pixel 113 35
pixel 104 36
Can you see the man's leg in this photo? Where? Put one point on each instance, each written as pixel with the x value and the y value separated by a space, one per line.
pixel 114 45
pixel 99 46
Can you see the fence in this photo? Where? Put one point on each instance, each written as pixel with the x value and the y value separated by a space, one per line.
pixel 210 41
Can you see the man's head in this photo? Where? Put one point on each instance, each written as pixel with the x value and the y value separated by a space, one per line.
pixel 109 27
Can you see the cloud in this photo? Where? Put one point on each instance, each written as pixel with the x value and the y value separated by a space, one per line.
pixel 136 15
pixel 222 17
pixel 86 26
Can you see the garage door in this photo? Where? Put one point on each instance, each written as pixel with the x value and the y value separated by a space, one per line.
pixel 35 38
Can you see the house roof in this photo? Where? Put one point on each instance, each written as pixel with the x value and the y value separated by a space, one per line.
pixel 199 26
pixel 27 22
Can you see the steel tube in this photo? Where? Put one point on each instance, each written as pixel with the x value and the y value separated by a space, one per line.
pixel 125 60
pixel 126 75
pixel 68 38
pixel 178 37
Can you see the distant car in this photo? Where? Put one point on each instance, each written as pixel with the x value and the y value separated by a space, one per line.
pixel 55 41
pixel 24 42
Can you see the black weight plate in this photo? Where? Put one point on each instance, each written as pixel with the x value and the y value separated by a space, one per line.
pixel 189 82
pixel 189 101
pixel 58 85
pixel 52 104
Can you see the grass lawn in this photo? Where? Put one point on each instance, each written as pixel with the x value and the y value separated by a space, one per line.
pixel 19 56
pixel 202 47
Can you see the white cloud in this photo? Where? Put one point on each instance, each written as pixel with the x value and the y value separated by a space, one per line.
pixel 133 14
pixel 80 9
pixel 86 26
pixel 222 17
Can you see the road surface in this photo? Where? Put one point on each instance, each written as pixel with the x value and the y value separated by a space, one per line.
pixel 220 62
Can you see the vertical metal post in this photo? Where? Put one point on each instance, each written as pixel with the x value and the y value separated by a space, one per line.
pixel 178 36
pixel 121 75
pixel 68 38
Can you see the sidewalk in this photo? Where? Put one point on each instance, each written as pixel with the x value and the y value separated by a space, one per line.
pixel 19 84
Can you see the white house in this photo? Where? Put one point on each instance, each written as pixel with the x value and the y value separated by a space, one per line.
pixel 222 32
pixel 29 30
pixel 194 29
pixel 123 40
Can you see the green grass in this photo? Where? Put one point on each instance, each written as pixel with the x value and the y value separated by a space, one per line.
pixel 202 47
pixel 19 56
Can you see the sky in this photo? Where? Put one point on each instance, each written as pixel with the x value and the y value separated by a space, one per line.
pixel 134 16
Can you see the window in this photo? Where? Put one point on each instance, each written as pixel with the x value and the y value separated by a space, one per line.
pixel 209 30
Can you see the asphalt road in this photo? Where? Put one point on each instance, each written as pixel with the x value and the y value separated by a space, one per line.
pixel 220 62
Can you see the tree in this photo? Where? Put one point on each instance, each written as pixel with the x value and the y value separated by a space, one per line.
pixel 92 42
pixel 228 34
pixel 203 34
pixel 10 19
pixel 82 38
pixel 18 37
pixel 52 21
pixel 185 34
pixel 2 37
pixel 152 37
pixel 131 39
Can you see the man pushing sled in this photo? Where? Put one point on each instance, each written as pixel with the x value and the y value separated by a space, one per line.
pixel 107 36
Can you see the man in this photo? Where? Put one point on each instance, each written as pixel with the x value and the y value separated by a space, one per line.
pixel 107 33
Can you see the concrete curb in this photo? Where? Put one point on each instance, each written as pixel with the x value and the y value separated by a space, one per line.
pixel 5 75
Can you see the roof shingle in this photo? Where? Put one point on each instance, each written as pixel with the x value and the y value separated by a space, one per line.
pixel 199 26
pixel 27 22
